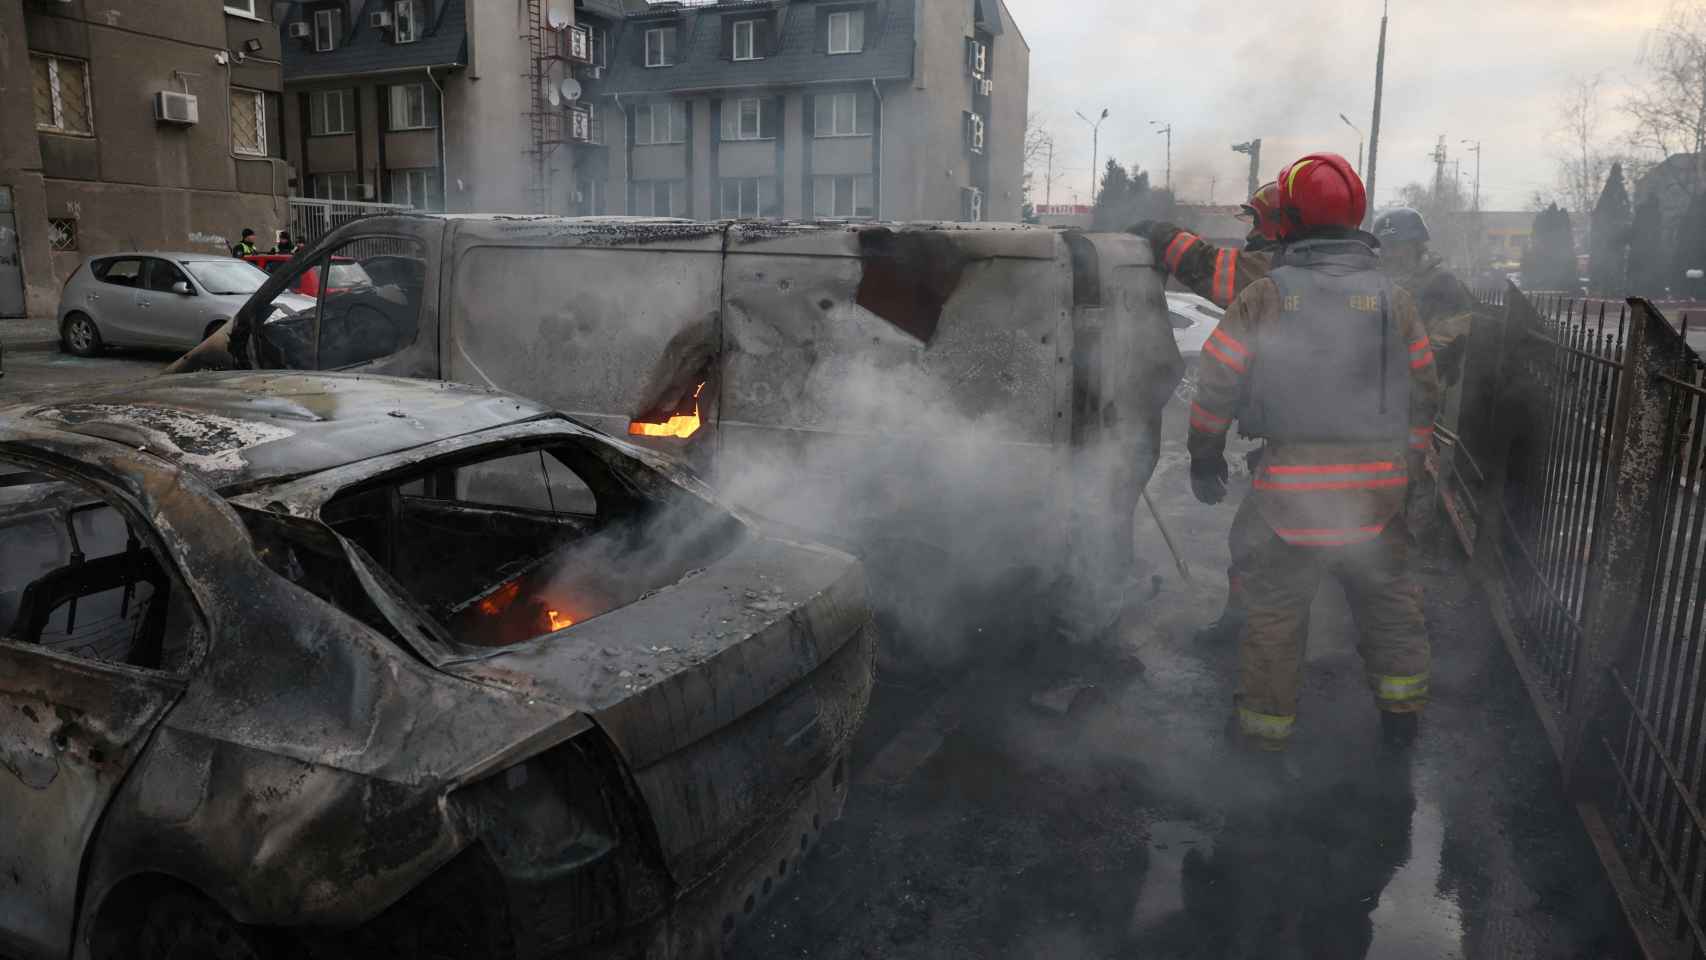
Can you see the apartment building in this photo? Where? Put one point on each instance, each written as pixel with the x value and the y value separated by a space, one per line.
pixel 146 124
pixel 892 109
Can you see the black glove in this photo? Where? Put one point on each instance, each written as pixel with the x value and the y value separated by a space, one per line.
pixel 1208 477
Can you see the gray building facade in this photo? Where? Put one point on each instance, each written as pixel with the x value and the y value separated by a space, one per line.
pixel 139 124
pixel 890 109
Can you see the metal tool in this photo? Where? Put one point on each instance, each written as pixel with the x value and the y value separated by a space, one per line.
pixel 1167 535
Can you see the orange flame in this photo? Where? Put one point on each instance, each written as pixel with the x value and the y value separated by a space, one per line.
pixel 558 621
pixel 680 425
pixel 500 600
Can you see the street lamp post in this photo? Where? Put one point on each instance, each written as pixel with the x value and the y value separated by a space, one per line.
pixel 1168 130
pixel 1360 138
pixel 1476 149
pixel 1379 89
pixel 1095 146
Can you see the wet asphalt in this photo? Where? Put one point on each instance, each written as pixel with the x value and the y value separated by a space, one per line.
pixel 34 365
pixel 1126 827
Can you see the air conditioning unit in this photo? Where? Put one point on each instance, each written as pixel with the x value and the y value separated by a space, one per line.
pixel 379 19
pixel 300 30
pixel 173 107
pixel 593 73
pixel 986 87
pixel 977 133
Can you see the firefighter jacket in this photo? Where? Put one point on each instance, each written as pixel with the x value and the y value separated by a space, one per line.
pixel 1446 307
pixel 1215 273
pixel 1341 382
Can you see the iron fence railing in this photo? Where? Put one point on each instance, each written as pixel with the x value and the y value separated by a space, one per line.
pixel 1573 477
pixel 311 220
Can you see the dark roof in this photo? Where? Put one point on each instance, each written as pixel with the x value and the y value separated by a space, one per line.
pixel 364 50
pixel 244 427
pixel 611 9
pixel 796 60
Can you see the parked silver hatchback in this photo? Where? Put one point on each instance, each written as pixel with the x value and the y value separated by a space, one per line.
pixel 171 300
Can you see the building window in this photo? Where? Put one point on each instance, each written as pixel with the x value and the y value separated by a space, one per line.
pixel 589 197
pixel 843 197
pixel 327 25
pixel 404 22
pixel 974 132
pixel 248 122
pixel 977 58
pixel 334 186
pixel 748 198
pixel 844 114
pixel 417 188
pixel 746 40
pixel 61 94
pixel 244 8
pixel 409 107
pixel 660 47
pixel 752 118
pixel 971 204
pixel 331 112
pixel 847 32
pixel 658 198
pixel 660 123
pixel 62 234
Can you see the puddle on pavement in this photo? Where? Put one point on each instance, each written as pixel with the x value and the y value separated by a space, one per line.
pixel 1413 921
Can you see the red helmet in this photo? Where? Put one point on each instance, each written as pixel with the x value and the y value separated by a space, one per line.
pixel 1322 190
pixel 1263 208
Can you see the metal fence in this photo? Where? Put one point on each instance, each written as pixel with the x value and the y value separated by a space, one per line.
pixel 312 219
pixel 1572 474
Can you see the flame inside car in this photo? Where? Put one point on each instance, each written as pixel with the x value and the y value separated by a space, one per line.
pixel 681 425
pixel 558 621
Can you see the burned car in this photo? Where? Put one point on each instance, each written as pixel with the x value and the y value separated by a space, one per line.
pixel 319 665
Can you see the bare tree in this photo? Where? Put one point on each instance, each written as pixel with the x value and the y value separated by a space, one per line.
pixel 1669 108
pixel 1583 164
pixel 1039 144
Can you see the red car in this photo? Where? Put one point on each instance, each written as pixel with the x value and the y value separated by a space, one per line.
pixel 346 273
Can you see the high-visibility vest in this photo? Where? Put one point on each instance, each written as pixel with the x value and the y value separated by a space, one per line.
pixel 1333 367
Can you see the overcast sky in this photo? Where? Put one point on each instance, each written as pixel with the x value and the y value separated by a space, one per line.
pixel 1224 71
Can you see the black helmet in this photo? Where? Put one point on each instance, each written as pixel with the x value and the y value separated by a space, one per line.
pixel 1401 224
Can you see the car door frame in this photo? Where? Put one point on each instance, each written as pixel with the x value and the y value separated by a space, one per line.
pixel 419 359
pixel 168 318
pixel 75 727
pixel 116 314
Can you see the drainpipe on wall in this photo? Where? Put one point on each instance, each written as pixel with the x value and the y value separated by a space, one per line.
pixel 626 157
pixel 443 148
pixel 876 153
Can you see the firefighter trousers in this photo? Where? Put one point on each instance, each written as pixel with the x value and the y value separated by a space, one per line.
pixel 1279 582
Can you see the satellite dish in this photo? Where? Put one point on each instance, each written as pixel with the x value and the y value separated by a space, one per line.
pixel 559 14
pixel 571 89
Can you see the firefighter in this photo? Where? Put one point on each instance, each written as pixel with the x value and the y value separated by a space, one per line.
pixel 1445 304
pixel 1214 273
pixel 1337 373
pixel 1220 275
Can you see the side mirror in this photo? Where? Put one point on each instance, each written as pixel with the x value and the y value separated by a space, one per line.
pixel 183 287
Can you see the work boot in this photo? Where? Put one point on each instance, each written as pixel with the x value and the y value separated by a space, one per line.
pixel 1226 630
pixel 1399 730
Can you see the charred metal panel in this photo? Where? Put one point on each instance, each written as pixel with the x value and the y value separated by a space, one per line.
pixel 69 730
pixel 932 435
pixel 605 320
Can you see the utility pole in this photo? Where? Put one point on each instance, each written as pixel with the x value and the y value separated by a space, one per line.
pixel 1095 146
pixel 1379 89
pixel 1358 129
pixel 1476 149
pixel 1168 130
pixel 1212 183
pixel 1439 159
pixel 1254 150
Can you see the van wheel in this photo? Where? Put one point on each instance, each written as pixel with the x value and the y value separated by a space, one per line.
pixel 181 926
pixel 212 329
pixel 79 335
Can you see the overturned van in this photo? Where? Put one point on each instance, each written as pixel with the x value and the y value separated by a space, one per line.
pixel 973 408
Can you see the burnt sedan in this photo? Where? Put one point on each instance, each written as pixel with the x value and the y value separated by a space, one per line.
pixel 316 665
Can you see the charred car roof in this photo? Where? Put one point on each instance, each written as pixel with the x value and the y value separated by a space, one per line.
pixel 239 429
